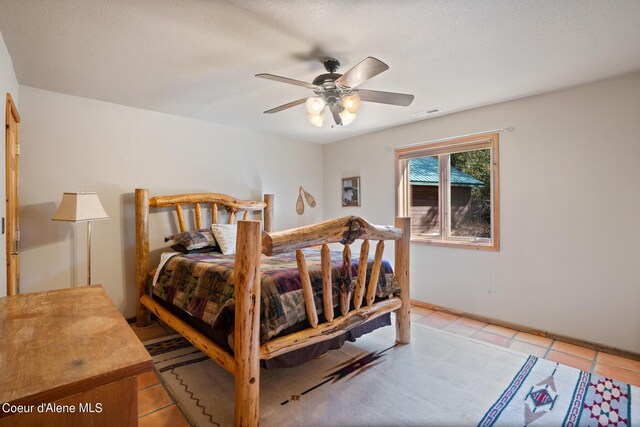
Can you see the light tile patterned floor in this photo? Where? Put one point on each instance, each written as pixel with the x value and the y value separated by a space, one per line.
pixel 156 407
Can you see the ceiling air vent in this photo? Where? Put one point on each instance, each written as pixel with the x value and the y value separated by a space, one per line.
pixel 427 112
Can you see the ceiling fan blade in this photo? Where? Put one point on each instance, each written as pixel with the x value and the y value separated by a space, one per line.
pixel 369 67
pixel 391 98
pixel 286 80
pixel 287 105
pixel 335 111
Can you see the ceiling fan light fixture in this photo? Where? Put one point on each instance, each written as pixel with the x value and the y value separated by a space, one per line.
pixel 315 105
pixel 347 117
pixel 351 103
pixel 340 92
pixel 316 119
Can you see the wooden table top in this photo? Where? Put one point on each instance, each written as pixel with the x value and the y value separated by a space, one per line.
pixel 58 343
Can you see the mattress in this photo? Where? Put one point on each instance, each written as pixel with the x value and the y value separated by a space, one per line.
pixel 201 287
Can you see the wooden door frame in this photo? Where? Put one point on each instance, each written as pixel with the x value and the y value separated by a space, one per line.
pixel 11 110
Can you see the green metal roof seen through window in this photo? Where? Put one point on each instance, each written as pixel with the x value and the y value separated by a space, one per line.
pixel 424 171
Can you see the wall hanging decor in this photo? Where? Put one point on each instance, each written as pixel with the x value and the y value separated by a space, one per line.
pixel 351 191
pixel 311 201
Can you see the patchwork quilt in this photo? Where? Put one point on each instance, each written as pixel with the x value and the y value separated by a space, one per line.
pixel 203 286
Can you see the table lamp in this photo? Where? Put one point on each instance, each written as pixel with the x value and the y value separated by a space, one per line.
pixel 82 207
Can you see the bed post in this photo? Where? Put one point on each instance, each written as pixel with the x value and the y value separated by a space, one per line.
pixel 247 322
pixel 268 213
pixel 142 254
pixel 403 245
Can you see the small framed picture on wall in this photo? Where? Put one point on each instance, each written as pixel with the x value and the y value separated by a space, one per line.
pixel 351 191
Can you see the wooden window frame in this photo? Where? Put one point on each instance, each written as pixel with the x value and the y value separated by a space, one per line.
pixel 441 149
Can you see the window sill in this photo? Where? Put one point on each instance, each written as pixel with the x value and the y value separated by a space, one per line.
pixel 478 246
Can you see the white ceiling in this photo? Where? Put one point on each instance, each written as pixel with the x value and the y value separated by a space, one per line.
pixel 197 58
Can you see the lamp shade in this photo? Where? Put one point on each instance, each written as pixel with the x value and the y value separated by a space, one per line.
pixel 80 207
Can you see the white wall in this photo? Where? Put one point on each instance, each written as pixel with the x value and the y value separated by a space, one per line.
pixel 8 83
pixel 78 144
pixel 570 210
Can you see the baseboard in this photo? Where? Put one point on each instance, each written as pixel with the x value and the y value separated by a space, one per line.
pixel 529 330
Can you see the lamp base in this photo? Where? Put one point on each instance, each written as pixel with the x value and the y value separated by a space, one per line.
pixel 88 253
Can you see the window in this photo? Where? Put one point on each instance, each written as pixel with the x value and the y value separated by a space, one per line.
pixel 450 190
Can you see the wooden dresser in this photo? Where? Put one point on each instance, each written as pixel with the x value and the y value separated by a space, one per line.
pixel 70 359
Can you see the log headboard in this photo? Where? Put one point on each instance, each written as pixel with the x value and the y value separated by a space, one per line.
pixel 215 200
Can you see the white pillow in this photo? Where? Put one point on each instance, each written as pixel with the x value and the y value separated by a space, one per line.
pixel 226 237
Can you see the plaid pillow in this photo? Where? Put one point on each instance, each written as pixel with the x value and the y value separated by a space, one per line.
pixel 193 239
pixel 179 248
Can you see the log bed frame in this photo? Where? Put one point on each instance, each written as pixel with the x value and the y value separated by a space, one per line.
pixel 244 364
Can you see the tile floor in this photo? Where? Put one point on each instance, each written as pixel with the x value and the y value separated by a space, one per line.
pixel 157 408
pixel 626 370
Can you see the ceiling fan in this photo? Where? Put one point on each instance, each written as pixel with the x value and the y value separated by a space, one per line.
pixel 339 92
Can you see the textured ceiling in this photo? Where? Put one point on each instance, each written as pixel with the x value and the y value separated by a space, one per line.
pixel 197 58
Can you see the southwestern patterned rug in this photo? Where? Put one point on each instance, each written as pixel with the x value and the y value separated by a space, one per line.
pixel 439 379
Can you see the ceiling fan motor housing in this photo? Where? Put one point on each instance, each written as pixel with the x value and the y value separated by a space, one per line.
pixel 330 78
pixel 327 88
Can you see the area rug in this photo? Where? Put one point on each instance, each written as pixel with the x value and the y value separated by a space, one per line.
pixel 439 379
